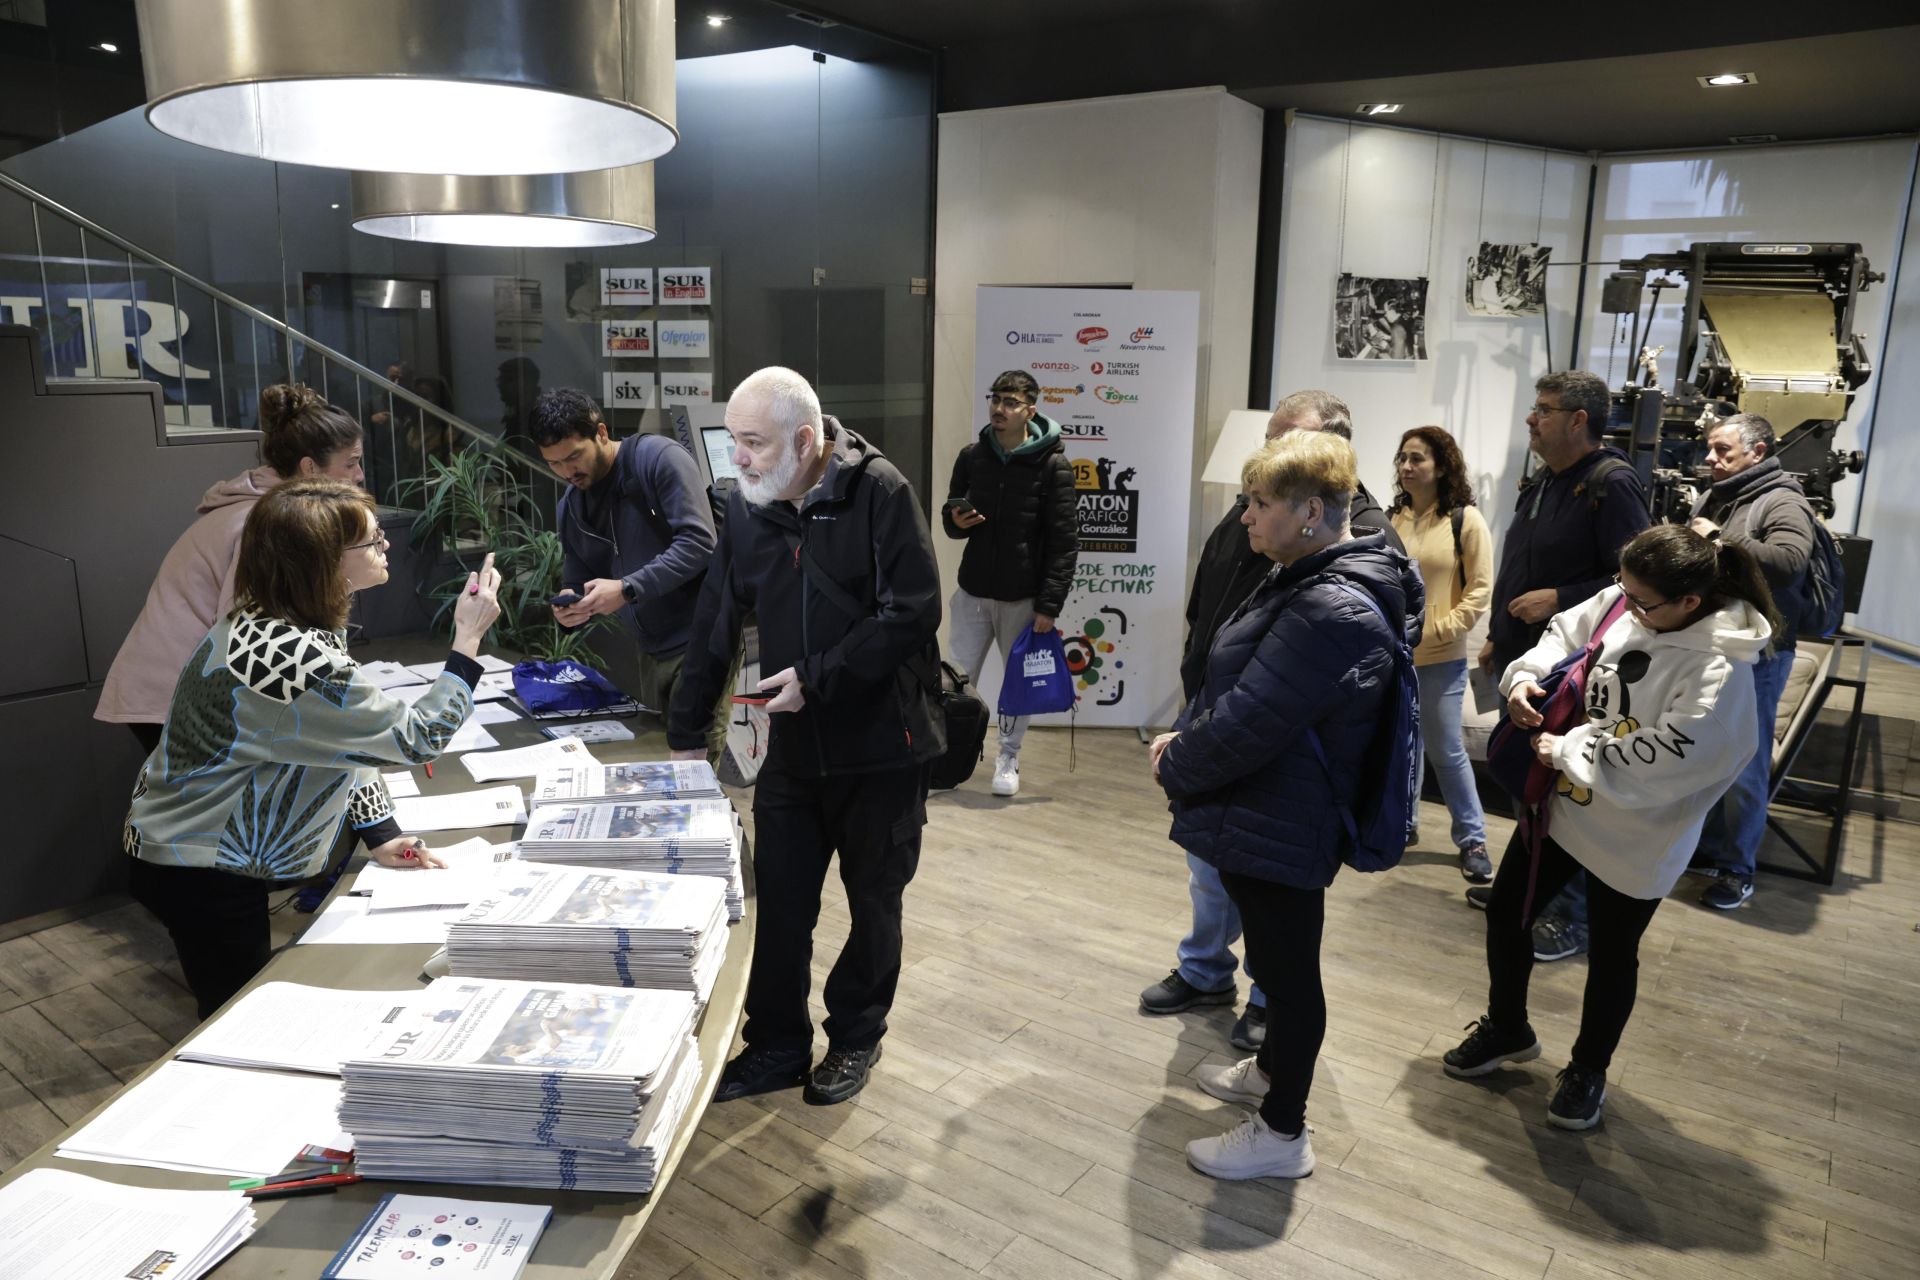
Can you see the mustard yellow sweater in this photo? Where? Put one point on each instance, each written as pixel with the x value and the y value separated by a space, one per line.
pixel 1451 609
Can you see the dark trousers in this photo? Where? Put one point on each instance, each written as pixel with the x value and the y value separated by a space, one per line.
pixel 1281 931
pixel 147 734
pixel 218 921
pixel 1614 925
pixel 873 821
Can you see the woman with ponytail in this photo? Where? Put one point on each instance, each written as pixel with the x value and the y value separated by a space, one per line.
pixel 1670 722
pixel 302 437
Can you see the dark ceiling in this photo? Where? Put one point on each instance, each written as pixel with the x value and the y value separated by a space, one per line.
pixel 1586 77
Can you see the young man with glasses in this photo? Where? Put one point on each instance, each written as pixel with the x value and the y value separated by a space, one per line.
pixel 1561 548
pixel 1012 500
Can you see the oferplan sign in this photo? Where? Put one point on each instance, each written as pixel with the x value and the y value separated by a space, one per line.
pixel 1118 372
pixel 683 339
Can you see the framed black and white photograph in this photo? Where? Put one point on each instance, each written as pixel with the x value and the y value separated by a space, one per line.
pixel 1380 318
pixel 1508 280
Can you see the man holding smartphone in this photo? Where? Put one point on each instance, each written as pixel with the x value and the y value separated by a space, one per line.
pixel 1012 500
pixel 635 529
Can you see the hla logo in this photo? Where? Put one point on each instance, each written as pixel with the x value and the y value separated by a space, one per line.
pixel 683 288
pixel 1142 334
pixel 1113 396
pixel 1016 337
pixel 1092 333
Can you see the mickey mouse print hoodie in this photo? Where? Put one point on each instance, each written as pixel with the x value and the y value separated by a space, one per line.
pixel 1670 724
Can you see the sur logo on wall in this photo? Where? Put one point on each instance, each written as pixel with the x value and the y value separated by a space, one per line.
pixel 627 390
pixel 686 286
pixel 629 338
pixel 686 388
pixel 626 286
pixel 1109 505
pixel 683 339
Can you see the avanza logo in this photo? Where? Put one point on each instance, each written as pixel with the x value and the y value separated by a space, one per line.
pixel 1092 333
pixel 1142 334
pixel 1053 366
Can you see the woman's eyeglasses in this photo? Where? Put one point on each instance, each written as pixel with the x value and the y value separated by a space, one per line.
pixel 379 539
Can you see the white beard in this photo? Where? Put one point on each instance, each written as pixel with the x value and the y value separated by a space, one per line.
pixel 770 484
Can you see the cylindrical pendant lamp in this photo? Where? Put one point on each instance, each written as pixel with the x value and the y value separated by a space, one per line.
pixel 415 86
pixel 600 207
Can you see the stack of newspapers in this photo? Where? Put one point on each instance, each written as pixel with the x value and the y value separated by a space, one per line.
pixel 640 780
pixel 526 1084
pixel 672 837
pixel 578 924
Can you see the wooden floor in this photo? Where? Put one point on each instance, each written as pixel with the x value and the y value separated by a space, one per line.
pixel 1763 1118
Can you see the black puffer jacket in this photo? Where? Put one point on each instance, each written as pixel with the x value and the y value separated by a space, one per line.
pixel 1031 537
pixel 867 705
pixel 1782 540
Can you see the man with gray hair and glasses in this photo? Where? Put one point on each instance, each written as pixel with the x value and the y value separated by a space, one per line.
pixel 1755 504
pixel 1562 547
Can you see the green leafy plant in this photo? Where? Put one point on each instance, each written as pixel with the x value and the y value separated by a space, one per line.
pixel 476 503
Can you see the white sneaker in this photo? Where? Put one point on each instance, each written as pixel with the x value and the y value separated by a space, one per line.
pixel 1253 1151
pixel 1242 1082
pixel 1006 775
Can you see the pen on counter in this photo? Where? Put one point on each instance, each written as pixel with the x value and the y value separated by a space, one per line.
pixel 429 770
pixel 319 1171
pixel 307 1187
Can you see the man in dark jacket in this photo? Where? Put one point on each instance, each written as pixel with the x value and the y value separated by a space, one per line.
pixel 1755 504
pixel 824 542
pixel 635 531
pixel 1228 572
pixel 1012 499
pixel 1563 547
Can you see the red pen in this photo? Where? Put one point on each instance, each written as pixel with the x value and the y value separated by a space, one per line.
pixel 308 1187
pixel 429 770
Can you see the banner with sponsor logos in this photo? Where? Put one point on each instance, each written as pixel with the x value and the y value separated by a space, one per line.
pixel 1117 370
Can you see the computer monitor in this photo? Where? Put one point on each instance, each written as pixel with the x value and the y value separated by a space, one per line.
pixel 718 447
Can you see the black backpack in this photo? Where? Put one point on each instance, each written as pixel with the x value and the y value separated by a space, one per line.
pixel 1823 603
pixel 967 717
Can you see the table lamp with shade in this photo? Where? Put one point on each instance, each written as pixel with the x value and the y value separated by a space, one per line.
pixel 1244 431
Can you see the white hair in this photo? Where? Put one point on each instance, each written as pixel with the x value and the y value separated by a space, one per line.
pixel 786 398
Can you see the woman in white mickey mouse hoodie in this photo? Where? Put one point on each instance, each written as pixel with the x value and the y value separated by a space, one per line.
pixel 1670 723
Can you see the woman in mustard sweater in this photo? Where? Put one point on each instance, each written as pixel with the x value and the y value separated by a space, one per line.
pixel 1434 515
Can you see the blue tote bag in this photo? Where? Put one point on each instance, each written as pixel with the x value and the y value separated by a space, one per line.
pixel 1037 681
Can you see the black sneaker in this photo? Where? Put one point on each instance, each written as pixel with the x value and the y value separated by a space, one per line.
pixel 840 1075
pixel 761 1071
pixel 1576 1103
pixel 1489 1048
pixel 1250 1030
pixel 1479 896
pixel 1475 865
pixel 1728 890
pixel 1174 993
pixel 1556 938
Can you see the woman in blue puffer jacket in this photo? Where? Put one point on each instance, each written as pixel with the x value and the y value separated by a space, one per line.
pixel 1248 793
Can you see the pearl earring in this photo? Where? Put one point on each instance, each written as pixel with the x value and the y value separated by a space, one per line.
pixel 1307 532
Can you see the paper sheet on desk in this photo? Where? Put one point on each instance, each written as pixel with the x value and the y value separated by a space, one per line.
pixel 389 675
pixel 63 1225
pixel 432 670
pixel 500 711
pixel 291 1027
pixel 401 784
pixel 221 1120
pixel 526 762
pixel 472 736
pixel 350 920
pixel 490 807
pixel 591 731
pixel 470 869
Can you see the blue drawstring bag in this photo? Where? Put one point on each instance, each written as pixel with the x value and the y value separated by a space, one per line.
pixel 567 690
pixel 1037 681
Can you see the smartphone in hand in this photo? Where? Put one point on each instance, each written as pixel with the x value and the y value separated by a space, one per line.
pixel 566 599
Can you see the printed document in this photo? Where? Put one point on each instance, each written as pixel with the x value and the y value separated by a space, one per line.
pixel 60 1225
pixel 492 807
pixel 293 1027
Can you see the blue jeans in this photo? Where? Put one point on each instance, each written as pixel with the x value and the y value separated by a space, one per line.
pixel 1735 827
pixel 1206 956
pixel 1443 686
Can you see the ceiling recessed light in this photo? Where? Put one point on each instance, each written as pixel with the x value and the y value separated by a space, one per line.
pixel 1378 108
pixel 107 47
pixel 1728 79
pixel 716 19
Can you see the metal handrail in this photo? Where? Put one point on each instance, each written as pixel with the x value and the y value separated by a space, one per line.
pixel 289 334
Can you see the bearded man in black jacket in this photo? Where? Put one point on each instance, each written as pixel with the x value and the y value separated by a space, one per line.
pixel 824 542
pixel 1228 572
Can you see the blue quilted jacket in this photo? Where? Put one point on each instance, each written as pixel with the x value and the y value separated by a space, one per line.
pixel 1248 795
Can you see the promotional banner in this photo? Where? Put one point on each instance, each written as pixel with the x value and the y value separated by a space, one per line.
pixel 686 286
pixel 683 339
pixel 626 338
pixel 686 388
pixel 1118 371
pixel 626 286
pixel 627 390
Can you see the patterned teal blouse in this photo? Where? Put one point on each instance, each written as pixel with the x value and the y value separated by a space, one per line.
pixel 275 739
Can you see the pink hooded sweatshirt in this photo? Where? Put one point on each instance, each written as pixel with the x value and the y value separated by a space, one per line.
pixel 193 591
